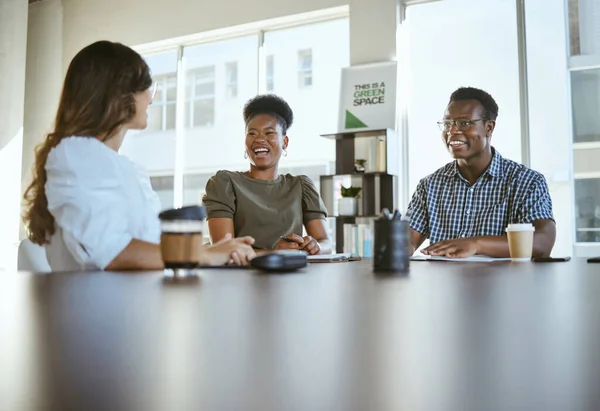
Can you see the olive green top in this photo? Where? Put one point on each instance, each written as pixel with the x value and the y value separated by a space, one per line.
pixel 263 209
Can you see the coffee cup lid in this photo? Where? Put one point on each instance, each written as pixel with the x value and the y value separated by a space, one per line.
pixel 520 227
pixel 184 213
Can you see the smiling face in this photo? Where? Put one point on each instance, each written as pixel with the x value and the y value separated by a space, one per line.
pixel 474 138
pixel 265 141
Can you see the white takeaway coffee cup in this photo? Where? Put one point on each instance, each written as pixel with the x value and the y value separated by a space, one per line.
pixel 520 241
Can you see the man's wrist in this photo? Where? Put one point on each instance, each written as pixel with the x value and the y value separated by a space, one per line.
pixel 477 244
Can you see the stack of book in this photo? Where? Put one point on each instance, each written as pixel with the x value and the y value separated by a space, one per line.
pixel 358 239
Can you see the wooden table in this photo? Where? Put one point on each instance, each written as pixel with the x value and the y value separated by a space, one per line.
pixel 449 336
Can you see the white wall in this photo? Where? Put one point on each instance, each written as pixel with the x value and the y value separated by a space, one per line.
pixel 44 75
pixel 143 21
pixel 373 25
pixel 13 40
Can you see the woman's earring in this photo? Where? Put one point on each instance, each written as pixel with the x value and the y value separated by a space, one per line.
pixel 285 152
pixel 245 155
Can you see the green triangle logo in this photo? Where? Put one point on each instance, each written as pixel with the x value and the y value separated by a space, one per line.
pixel 352 121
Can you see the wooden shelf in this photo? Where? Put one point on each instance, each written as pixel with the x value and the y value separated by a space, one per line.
pixel 380 149
pixel 370 173
pixel 358 134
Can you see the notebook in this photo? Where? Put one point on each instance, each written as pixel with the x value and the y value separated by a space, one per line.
pixel 474 259
pixel 326 258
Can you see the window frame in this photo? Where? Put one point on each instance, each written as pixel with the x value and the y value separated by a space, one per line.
pixel 256 28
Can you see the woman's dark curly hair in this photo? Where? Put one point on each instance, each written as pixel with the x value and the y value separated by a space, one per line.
pixel 272 105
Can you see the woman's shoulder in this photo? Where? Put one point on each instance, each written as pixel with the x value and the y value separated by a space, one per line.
pixel 225 176
pixel 292 178
pixel 302 179
pixel 86 156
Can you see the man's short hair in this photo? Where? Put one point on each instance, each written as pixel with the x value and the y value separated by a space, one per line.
pixel 490 107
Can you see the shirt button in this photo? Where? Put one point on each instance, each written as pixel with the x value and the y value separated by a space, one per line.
pixel 467 212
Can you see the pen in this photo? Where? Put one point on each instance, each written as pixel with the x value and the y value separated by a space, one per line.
pixel 287 240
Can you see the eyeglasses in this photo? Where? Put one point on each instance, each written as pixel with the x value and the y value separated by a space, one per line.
pixel 153 89
pixel 461 124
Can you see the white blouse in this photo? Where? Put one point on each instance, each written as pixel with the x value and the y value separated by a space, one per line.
pixel 100 201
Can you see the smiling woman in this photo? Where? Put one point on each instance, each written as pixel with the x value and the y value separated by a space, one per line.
pixel 270 206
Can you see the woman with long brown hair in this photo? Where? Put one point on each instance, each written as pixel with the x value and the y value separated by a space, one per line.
pixel 91 207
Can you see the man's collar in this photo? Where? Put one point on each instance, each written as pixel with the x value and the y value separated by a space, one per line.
pixel 494 169
pixel 451 170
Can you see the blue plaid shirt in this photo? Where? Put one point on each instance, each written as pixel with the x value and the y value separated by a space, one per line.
pixel 446 206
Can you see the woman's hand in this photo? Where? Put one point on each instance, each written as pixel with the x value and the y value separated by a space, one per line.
pixel 310 245
pixel 235 251
pixel 294 242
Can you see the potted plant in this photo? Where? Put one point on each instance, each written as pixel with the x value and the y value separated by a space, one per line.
pixel 348 204
pixel 360 165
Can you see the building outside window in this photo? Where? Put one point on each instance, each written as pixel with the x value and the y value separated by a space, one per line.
pixel 305 68
pixel 270 70
pixel 584 64
pixel 219 77
pixel 161 114
pixel 231 74
pixel 201 96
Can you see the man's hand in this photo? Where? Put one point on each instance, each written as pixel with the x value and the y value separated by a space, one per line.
pixel 459 248
pixel 294 244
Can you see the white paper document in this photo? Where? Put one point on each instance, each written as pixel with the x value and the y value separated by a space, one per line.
pixel 475 258
pixel 329 257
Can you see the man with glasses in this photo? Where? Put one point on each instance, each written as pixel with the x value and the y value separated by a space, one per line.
pixel 464 207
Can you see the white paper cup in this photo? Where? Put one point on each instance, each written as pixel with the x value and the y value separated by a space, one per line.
pixel 520 241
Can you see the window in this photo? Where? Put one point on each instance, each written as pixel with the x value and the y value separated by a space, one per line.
pixel 163 186
pixel 219 77
pixel 315 108
pixel 154 147
pixel 585 94
pixel 585 89
pixel 270 73
pixel 214 140
pixel 433 25
pixel 587 215
pixel 584 27
pixel 305 75
pixel 201 97
pixel 161 114
pixel 584 30
pixel 232 79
